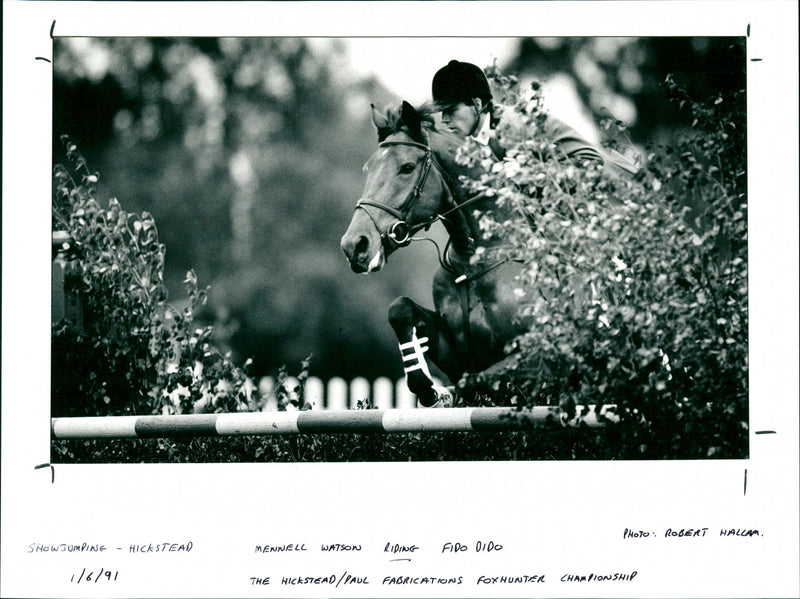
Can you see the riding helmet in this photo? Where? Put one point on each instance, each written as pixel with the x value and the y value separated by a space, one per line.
pixel 459 82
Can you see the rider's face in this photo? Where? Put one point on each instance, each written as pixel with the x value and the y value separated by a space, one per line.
pixel 459 118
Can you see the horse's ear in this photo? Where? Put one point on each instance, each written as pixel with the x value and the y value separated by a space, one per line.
pixel 413 121
pixel 381 124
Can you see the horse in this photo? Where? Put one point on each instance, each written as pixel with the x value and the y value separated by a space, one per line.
pixel 412 181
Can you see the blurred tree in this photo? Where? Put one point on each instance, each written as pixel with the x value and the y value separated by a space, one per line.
pixel 625 75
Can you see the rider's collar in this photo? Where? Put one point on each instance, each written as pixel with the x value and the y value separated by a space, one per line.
pixel 485 132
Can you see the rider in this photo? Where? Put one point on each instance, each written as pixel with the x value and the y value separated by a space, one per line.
pixel 461 93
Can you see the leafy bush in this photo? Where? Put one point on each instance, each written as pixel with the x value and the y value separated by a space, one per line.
pixel 133 353
pixel 635 288
pixel 549 444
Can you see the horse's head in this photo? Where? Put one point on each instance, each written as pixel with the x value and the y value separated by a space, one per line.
pixel 404 191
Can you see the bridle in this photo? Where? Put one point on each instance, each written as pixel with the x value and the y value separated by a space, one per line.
pixel 400 232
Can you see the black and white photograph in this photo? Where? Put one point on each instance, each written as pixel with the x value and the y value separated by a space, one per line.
pixel 339 308
pixel 216 199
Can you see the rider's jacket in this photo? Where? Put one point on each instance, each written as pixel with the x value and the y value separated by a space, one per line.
pixel 569 144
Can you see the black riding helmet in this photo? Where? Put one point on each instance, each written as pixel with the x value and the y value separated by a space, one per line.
pixel 459 82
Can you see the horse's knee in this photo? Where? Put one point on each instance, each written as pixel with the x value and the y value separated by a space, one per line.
pixel 401 312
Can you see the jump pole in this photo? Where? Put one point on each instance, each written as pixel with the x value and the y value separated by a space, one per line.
pixel 412 420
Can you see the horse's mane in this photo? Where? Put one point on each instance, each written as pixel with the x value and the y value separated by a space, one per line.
pixel 392 121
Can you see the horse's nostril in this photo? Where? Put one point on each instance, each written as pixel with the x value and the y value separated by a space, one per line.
pixel 362 246
pixel 354 247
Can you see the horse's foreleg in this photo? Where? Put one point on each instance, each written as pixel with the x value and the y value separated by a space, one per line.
pixel 421 336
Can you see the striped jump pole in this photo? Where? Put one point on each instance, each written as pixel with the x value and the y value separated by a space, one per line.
pixel 327 421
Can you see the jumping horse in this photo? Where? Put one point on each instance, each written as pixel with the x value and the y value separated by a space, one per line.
pixel 413 181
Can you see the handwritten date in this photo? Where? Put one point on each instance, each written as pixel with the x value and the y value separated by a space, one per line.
pixel 95 576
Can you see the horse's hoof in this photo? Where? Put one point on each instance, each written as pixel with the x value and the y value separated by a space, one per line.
pixel 445 395
pixel 443 398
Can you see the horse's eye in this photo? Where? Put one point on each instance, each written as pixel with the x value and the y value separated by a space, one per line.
pixel 407 168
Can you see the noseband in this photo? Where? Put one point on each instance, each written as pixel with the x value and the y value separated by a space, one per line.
pixel 400 232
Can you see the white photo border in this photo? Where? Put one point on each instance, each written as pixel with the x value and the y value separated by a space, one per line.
pixel 555 518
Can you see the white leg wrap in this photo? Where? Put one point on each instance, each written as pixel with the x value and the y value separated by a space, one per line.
pixel 414 354
pixel 414 359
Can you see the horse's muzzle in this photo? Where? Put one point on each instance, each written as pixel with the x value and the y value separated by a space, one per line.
pixel 360 255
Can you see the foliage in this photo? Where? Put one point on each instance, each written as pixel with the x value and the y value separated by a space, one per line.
pixel 635 290
pixel 133 353
pixel 378 447
pixel 624 76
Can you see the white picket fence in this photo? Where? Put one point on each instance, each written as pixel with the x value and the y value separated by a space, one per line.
pixel 338 394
